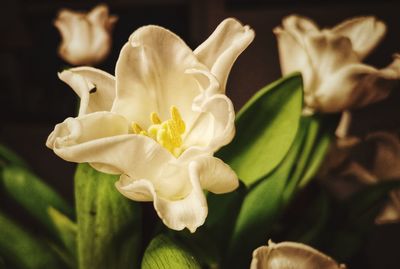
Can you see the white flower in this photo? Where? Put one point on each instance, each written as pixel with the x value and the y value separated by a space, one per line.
pixel 330 60
pixel 86 37
pixel 287 255
pixel 168 116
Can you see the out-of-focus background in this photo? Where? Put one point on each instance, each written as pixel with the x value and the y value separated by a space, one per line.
pixel 33 99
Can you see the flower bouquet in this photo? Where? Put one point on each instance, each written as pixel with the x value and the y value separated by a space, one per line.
pixel 161 131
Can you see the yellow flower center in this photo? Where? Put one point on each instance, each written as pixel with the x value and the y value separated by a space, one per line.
pixel 167 133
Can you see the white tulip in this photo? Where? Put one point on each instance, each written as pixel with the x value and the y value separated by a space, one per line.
pixel 288 255
pixel 330 60
pixel 86 37
pixel 159 121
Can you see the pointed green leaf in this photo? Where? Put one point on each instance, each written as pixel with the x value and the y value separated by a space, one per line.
pixel 67 231
pixel 260 209
pixel 33 194
pixel 8 157
pixel 22 250
pixel 265 129
pixel 166 253
pixel 109 225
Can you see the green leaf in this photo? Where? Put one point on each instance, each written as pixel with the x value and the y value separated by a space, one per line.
pixel 261 208
pixel 8 157
pixel 33 194
pixel 356 219
pixel 109 225
pixel 67 231
pixel 223 210
pixel 22 250
pixel 313 149
pixel 165 253
pixel 266 127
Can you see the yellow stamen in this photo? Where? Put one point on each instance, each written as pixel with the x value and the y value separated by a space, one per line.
pixel 136 128
pixel 167 133
pixel 155 119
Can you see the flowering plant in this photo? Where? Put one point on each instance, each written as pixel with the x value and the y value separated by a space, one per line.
pixel 162 130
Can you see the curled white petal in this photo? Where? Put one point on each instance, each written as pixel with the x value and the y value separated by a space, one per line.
pixel 365 33
pixel 287 255
pixel 222 48
pixel 95 88
pixel 188 212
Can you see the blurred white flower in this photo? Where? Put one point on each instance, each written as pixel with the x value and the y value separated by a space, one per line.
pixel 330 60
pixel 288 255
pixel 368 160
pixel 86 37
pixel 159 121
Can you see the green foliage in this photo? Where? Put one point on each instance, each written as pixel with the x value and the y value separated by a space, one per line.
pixel 165 253
pixel 22 250
pixel 109 225
pixel 33 194
pixel 67 231
pixel 357 218
pixel 265 129
pixel 268 199
pixel 8 157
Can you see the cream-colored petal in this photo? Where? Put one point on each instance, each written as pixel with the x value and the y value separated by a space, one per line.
pixel 86 37
pixel 216 176
pixel 102 140
pixel 223 47
pixel 76 37
pixel 214 126
pixel 96 88
pixel 288 255
pixel 299 27
pixel 189 212
pixel 365 33
pixel 100 16
pixel 293 57
pixel 354 86
pixel 151 76
pixel 329 53
pixel 389 214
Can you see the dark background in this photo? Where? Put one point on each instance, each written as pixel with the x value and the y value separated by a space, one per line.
pixel 33 100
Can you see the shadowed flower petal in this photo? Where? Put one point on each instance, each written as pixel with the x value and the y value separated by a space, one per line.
pixel 365 33
pixel 330 62
pixel 96 88
pixel 287 255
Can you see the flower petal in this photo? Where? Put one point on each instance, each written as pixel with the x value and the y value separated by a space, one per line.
pixel 364 32
pixel 151 76
pixel 214 126
pixel 329 52
pixel 100 16
pixel 102 140
pixel 293 57
pixel 299 27
pixel 354 86
pixel 389 214
pixel 189 212
pixel 291 255
pixel 216 176
pixel 222 48
pixel 76 38
pixel 96 88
